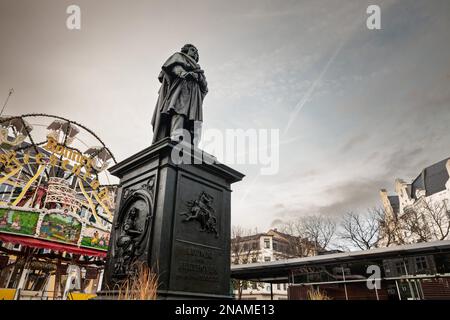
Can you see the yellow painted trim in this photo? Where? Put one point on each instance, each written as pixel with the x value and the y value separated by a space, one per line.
pixel 9 175
pixel 7 294
pixel 91 204
pixel 80 296
pixel 102 204
pixel 28 185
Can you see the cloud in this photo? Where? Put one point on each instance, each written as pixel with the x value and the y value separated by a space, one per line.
pixel 354 142
pixel 352 195
pixel 276 222
pixel 380 112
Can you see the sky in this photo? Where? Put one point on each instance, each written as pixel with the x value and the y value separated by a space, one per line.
pixel 356 108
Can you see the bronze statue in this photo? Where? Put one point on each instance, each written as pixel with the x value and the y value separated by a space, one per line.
pixel 179 106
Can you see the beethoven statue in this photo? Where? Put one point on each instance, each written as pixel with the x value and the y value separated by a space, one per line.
pixel 178 111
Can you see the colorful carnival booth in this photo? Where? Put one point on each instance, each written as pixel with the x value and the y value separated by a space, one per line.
pixel 56 208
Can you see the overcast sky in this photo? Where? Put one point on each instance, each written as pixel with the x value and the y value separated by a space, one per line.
pixel 379 108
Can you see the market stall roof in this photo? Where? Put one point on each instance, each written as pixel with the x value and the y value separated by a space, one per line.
pixel 44 244
pixel 279 271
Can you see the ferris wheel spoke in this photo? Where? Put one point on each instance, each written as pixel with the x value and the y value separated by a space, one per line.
pixel 27 186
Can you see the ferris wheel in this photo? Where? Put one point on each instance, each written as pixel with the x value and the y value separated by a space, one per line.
pixel 55 167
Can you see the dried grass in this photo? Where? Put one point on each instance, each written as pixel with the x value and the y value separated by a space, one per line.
pixel 316 294
pixel 143 285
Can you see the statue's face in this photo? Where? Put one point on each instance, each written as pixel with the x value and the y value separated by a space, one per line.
pixel 193 53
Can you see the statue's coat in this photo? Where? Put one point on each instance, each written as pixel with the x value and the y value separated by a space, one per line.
pixel 178 95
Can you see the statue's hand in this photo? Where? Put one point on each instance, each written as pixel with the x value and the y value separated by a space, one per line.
pixel 193 76
pixel 189 76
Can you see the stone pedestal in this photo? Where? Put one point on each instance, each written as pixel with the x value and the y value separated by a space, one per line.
pixel 176 218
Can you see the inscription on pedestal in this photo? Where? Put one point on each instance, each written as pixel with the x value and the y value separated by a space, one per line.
pixel 195 263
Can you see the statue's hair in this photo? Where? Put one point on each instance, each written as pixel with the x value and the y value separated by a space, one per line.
pixel 186 47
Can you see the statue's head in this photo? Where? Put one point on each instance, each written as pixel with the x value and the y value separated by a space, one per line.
pixel 191 51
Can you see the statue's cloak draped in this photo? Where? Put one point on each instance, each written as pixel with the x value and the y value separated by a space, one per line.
pixel 182 96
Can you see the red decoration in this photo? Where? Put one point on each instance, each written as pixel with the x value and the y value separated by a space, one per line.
pixel 37 243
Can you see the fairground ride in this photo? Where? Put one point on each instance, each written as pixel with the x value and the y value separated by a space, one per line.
pixel 56 206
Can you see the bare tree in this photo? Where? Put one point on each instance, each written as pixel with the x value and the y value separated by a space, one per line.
pixel 361 230
pixel 320 230
pixel 310 234
pixel 298 246
pixel 389 228
pixel 427 220
pixel 439 218
pixel 244 249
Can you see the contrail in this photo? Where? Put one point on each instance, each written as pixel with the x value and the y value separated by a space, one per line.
pixel 299 107
pixel 311 89
pixel 249 188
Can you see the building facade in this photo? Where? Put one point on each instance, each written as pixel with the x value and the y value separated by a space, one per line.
pixel 419 211
pixel 266 247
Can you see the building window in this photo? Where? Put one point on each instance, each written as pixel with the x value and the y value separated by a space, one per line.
pixel 421 263
pixel 254 285
pixel 267 243
pixel 278 286
pixel 275 245
pixel 255 245
pixel 266 259
pixel 400 268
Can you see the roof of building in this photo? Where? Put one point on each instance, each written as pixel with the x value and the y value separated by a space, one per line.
pixel 278 271
pixel 248 238
pixel 432 179
pixel 280 236
pixel 284 236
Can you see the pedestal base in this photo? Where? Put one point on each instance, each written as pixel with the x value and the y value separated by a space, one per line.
pixel 176 218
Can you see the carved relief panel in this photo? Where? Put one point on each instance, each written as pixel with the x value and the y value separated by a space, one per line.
pixel 132 228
